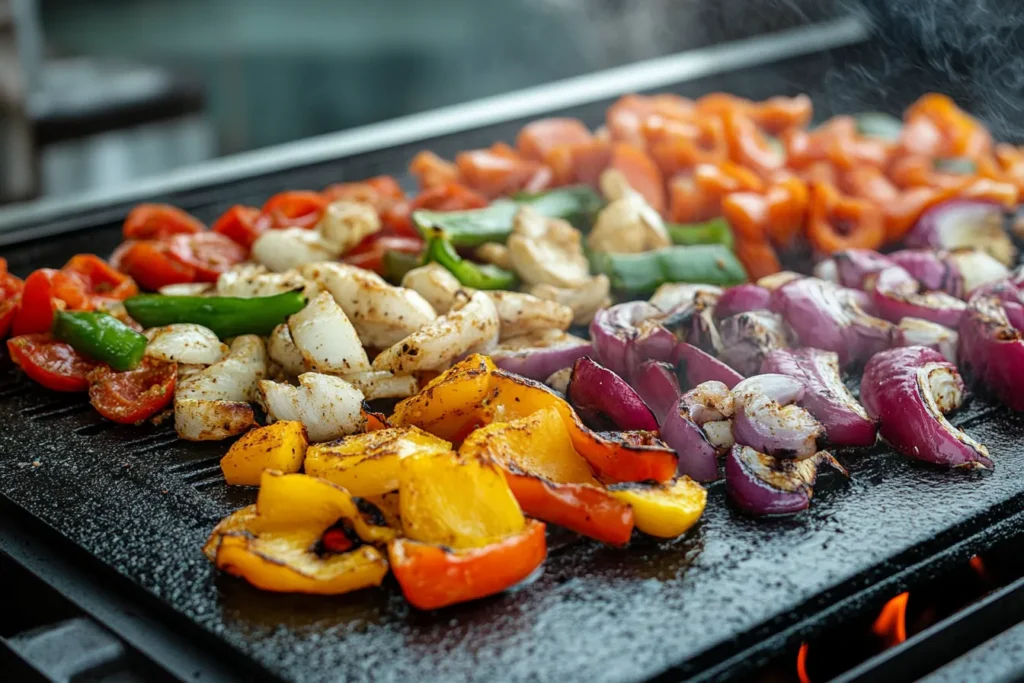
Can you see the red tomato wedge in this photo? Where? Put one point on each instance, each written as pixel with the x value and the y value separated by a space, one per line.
pixel 154 221
pixel 209 254
pixel 135 395
pixel 369 253
pixel 294 209
pixel 448 197
pixel 51 363
pixel 241 225
pixel 103 281
pixel 150 264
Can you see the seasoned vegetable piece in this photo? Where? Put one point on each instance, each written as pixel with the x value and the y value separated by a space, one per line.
pixel 226 316
pixel 643 273
pixel 664 510
pixel 476 275
pixel 51 363
pixel 280 446
pixel 135 395
pixel 328 406
pixel 101 336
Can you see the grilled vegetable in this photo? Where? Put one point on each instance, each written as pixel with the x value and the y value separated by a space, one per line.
pixel 767 421
pixel 521 314
pixel 958 272
pixel 472 322
pixel 274 544
pixel 185 343
pixel 742 299
pixel 917 332
pixel 370 464
pixel 377 384
pixel 618 331
pixel 328 406
pixel 658 385
pixel 283 351
pixel 135 395
pixel 714 231
pixel 435 283
pixel 763 485
pixel 248 280
pixel 478 276
pixel 698 367
pixel 992 349
pixel 549 479
pixel 748 337
pixel 547 251
pixel 283 250
pixel 907 390
pixel 964 223
pixel 226 316
pixel 101 336
pixel 326 338
pixel 641 273
pixel 605 401
pixel 664 510
pixel 539 354
pixel 578 205
pixel 683 428
pixel 896 296
pixel 825 396
pixel 280 446
pixel 51 363
pixel 628 224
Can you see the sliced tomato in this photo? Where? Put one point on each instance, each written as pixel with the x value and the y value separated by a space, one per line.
pixel 495 171
pixel 209 253
pixel 51 363
pixel 241 224
pixel 103 281
pixel 134 395
pixel 9 308
pixel 369 253
pixel 9 284
pixel 448 197
pixel 380 191
pixel 149 263
pixel 294 209
pixel 11 288
pixel 153 221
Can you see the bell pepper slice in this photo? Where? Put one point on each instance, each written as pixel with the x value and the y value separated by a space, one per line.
pixel 758 257
pixel 779 114
pixel 447 406
pixel 787 200
pixel 836 222
pixel 457 502
pixel 103 282
pixel 101 336
pixel 135 395
pixel 537 138
pixel 642 273
pixel 370 464
pixel 496 171
pixel 431 170
pixel 714 231
pixel 748 146
pixel 51 363
pixel 279 446
pixel 371 252
pixel 641 172
pixel 549 479
pixel 374 421
pixel 227 316
pixel 294 209
pixel 380 192
pixel 156 221
pixel 432 577
pixel 579 162
pixel 664 510
pixel 476 275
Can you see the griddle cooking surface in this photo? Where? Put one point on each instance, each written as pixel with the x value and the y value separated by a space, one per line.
pixel 142 503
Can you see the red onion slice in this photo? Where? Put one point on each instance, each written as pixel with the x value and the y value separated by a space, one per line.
pixel 614 330
pixel 975 269
pixel 917 332
pixel 539 354
pixel 748 337
pixel 930 268
pixel 845 421
pixel 964 223
pixel 605 401
pixel 825 316
pixel 682 429
pixel 908 390
pixel 694 322
pixel 658 386
pixel 699 367
pixel 742 298
pixel 856 268
pixel 992 349
pixel 763 485
pixel 896 297
pixel 768 421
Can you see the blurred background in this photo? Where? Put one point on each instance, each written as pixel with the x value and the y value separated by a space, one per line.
pixel 97 93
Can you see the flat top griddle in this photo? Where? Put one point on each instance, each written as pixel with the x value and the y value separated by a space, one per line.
pixel 137 501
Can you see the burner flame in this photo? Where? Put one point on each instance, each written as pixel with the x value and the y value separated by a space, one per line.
pixel 978 565
pixel 891 624
pixel 801 664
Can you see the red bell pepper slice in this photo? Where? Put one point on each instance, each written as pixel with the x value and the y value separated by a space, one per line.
pixel 432 576
pixel 103 282
pixel 587 510
pixel 51 363
pixel 45 291
pixel 241 224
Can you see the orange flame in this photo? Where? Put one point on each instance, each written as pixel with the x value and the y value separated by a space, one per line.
pixel 801 664
pixel 977 565
pixel 891 624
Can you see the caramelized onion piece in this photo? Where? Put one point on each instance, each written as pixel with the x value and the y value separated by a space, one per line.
pixel 763 485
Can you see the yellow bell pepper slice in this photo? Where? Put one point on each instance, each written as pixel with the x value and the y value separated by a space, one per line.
pixel 456 502
pixel 446 407
pixel 664 510
pixel 280 446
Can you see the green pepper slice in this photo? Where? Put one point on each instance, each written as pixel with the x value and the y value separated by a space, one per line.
pixel 101 336
pixel 226 316
pixel 714 231
pixel 475 275
pixel 712 264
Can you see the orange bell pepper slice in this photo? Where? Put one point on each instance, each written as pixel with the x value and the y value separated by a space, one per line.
pixel 537 138
pixel 643 174
pixel 432 577
pixel 579 162
pixel 678 146
pixel 901 213
pixel 688 203
pixel 747 214
pixel 748 145
pixel 626 117
pixel 548 477
pixel 868 182
pixel 836 221
pixel 380 192
pixel 936 126
pixel 720 104
pixel 103 283
pixel 787 200
pixel 990 190
pixel 778 114
pixel 496 171
pixel 758 257
pixel 917 170
pixel 431 170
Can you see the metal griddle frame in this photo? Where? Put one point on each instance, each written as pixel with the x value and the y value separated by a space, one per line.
pixel 145 624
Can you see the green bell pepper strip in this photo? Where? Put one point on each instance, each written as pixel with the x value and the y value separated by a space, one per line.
pixel 398 263
pixel 493 223
pixel 959 165
pixel 714 231
pixel 712 264
pixel 226 316
pixel 879 125
pixel 475 275
pixel 101 336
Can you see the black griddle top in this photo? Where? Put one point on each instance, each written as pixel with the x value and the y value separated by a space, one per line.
pixel 138 501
